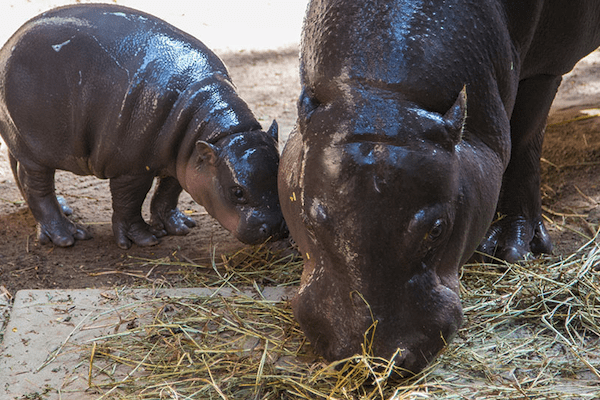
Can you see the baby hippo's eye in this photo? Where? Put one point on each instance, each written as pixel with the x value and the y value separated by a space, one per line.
pixel 238 195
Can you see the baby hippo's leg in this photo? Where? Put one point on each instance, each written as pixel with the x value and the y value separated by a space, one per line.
pixel 14 165
pixel 166 217
pixel 128 194
pixel 37 187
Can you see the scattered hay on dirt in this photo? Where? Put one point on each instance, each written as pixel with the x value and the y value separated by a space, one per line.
pixel 261 265
pixel 531 331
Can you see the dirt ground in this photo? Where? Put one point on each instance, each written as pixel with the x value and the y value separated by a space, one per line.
pixel 268 81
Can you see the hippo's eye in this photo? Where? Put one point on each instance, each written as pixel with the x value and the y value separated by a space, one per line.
pixel 238 194
pixel 436 230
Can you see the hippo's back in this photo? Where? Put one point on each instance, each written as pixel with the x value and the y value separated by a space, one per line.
pixel 112 34
pixel 98 78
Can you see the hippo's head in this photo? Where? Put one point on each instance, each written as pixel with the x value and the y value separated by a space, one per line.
pixel 235 179
pixel 375 195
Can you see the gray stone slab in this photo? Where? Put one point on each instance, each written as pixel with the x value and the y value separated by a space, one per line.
pixel 39 354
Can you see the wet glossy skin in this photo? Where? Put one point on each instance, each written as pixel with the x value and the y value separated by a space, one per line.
pixel 119 94
pixel 411 112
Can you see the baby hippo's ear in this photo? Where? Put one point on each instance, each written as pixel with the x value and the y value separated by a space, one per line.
pixel 274 131
pixel 207 153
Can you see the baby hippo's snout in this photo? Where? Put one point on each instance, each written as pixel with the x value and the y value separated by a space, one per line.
pixel 260 228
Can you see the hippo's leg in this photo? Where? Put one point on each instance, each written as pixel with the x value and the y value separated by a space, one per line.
pixel 128 194
pixel 37 187
pixel 14 165
pixel 166 217
pixel 521 230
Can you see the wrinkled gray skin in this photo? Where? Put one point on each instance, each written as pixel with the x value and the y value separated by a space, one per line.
pixel 109 91
pixel 418 120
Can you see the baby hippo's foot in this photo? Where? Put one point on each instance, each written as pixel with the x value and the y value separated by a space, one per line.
pixel 61 232
pixel 137 231
pixel 171 222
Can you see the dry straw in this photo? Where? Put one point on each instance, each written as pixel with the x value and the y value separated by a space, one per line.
pixel 531 332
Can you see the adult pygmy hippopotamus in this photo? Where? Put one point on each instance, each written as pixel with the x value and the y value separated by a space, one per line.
pixel 417 122
pixel 120 94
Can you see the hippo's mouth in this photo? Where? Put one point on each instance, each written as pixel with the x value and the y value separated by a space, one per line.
pixel 265 232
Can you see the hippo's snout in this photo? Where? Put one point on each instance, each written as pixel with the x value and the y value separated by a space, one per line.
pixel 420 348
pixel 259 230
pixel 276 232
pixel 410 351
pixel 411 326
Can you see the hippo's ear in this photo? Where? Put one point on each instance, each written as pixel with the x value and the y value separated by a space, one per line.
pixel 207 153
pixel 456 116
pixel 274 131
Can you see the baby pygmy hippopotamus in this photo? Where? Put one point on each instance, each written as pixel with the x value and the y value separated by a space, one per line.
pixel 109 91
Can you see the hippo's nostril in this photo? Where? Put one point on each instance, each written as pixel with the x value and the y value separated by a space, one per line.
pixel 264 230
pixel 270 231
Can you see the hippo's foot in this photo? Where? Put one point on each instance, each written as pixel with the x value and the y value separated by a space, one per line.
pixel 512 239
pixel 171 222
pixel 62 233
pixel 166 218
pixel 138 232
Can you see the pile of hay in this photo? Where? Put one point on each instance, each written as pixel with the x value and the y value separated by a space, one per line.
pixel 531 331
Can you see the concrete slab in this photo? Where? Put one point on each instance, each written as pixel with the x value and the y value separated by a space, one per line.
pixel 40 356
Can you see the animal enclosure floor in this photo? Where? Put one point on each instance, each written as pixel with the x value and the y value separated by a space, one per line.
pixel 269 82
pixel 42 355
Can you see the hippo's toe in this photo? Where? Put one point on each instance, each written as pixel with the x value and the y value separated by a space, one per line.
pixel 138 232
pixel 81 234
pixel 61 233
pixel 60 241
pixel 512 254
pixel 173 222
